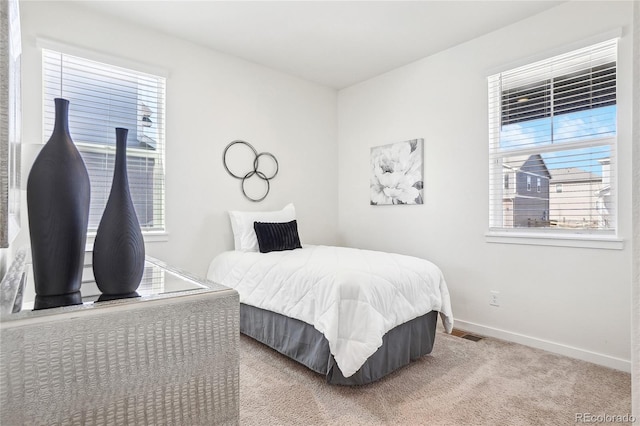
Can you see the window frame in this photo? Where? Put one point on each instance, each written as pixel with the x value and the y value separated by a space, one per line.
pixel 583 238
pixel 150 235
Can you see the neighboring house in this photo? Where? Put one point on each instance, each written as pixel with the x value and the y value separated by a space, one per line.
pixel 525 198
pixel 581 199
pixel 604 203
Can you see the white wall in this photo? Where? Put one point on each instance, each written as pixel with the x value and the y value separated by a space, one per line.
pixel 212 99
pixel 570 300
pixel 635 293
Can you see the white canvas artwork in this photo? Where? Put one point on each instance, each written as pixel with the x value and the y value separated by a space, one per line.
pixel 396 173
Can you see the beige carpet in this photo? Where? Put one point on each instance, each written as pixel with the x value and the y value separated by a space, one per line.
pixel 489 382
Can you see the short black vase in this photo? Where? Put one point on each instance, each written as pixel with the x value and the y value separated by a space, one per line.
pixel 118 250
pixel 58 195
pixel 108 297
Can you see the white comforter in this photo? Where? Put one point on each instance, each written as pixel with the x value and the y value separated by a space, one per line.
pixel 351 296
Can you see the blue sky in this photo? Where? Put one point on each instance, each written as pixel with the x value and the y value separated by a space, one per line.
pixel 572 127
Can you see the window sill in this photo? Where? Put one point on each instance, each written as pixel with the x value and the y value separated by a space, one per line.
pixel 149 237
pixel 607 242
pixel 152 237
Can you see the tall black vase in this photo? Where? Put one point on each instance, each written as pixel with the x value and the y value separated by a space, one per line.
pixel 58 194
pixel 118 251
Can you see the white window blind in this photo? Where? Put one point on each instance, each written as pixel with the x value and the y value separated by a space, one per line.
pixel 101 98
pixel 553 123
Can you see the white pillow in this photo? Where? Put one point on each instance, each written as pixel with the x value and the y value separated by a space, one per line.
pixel 244 236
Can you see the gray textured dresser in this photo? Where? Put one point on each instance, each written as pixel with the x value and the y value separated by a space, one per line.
pixel 167 357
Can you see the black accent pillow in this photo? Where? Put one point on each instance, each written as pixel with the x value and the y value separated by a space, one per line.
pixel 277 236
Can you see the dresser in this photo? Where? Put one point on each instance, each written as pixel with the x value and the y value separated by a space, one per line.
pixel 167 356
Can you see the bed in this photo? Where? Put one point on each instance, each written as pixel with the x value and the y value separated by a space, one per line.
pixel 351 315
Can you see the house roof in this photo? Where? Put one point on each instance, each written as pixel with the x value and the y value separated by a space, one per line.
pixel 573 175
pixel 533 164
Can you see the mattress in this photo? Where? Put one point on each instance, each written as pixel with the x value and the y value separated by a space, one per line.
pixel 352 297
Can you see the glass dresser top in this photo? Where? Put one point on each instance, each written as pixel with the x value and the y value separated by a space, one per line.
pixel 156 280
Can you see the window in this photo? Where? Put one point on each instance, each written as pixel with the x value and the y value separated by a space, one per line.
pixel 555 120
pixel 103 97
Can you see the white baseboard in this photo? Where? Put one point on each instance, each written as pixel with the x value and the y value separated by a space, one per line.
pixel 558 348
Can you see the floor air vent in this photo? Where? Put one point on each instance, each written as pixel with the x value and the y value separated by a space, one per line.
pixel 465 335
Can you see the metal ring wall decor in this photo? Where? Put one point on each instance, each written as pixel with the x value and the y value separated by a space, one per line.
pixel 255 171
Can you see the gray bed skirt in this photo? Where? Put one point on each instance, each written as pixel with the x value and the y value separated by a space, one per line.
pixel 303 343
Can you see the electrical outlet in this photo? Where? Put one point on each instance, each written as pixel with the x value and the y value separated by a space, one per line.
pixel 494 298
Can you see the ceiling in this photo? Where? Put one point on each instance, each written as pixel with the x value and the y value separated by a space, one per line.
pixel 333 43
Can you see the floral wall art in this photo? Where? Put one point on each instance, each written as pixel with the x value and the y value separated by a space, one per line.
pixel 396 173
